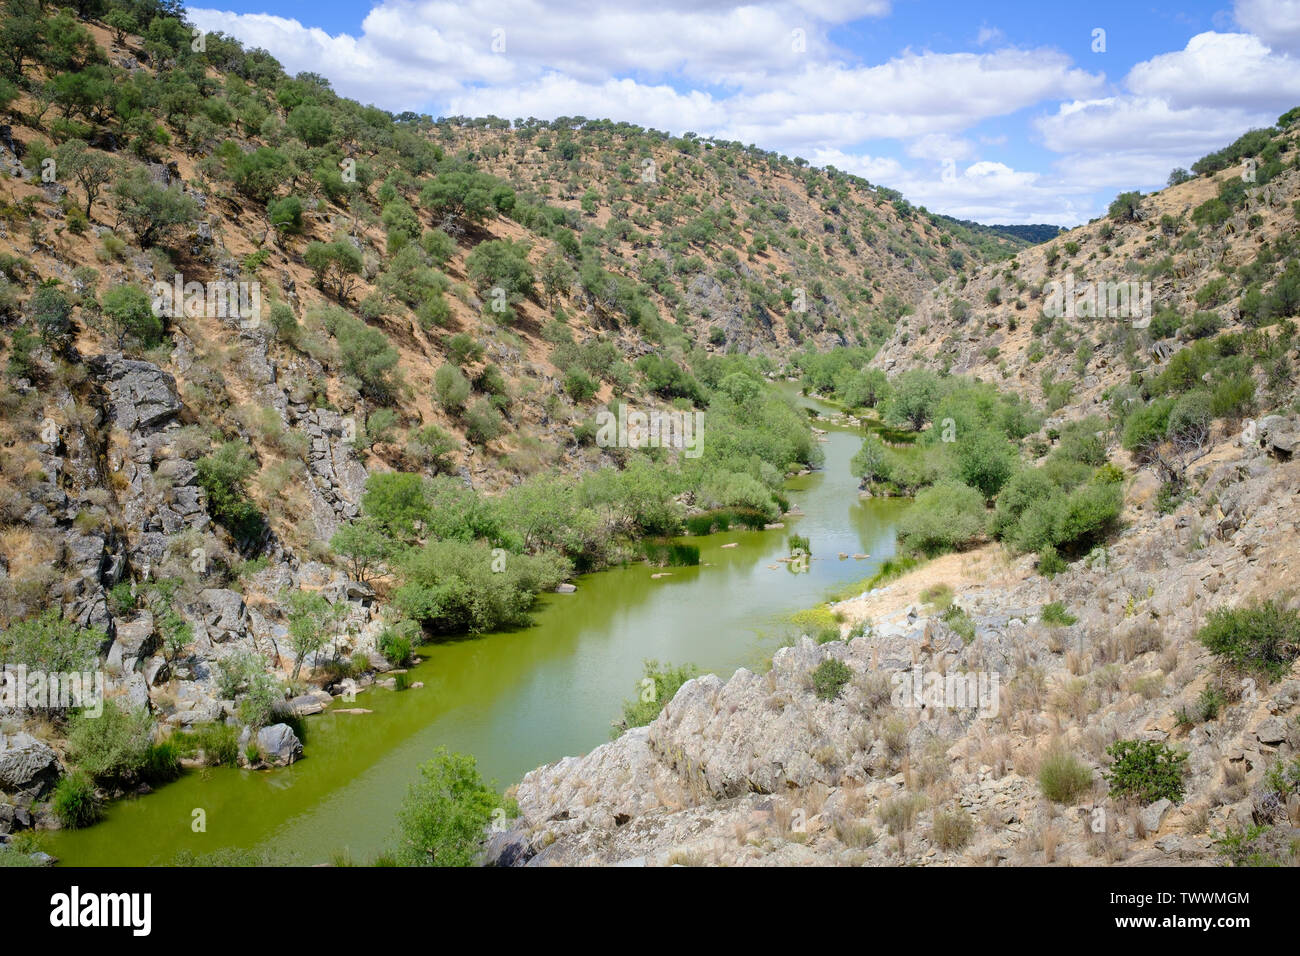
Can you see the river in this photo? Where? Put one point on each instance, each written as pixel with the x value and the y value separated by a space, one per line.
pixel 516 699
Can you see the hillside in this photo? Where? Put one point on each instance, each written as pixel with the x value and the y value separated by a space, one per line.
pixel 281 367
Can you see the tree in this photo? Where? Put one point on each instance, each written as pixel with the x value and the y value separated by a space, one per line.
pixel 912 398
pixel 310 617
pixel 121 23
pixel 51 311
pixel 466 195
pixel 1125 207
pixel 336 265
pixel 500 263
pixel 258 174
pixel 151 211
pixel 311 124
pixel 444 815
pixel 89 167
pixel 363 544
pixel 985 460
pixel 128 312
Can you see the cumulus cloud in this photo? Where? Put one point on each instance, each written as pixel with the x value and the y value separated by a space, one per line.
pixel 1276 22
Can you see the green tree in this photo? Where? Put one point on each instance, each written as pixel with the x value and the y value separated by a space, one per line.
pixel 51 311
pixel 336 265
pixel 445 813
pixel 311 124
pixel 128 313
pixel 89 167
pixel 363 545
pixel 150 210
pixel 912 399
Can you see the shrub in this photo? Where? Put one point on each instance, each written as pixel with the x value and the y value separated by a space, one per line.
pixel 49 643
pixel 451 586
pixel 395 646
pixel 953 829
pixel 658 685
pixel 112 747
pixel 946 516
pixel 1050 562
pixel 224 475
pixel 1062 778
pixel 1124 208
pixel 445 813
pixel 286 214
pixel 1145 771
pixel 829 678
pixel 75 802
pixel 483 422
pixel 1263 637
pixel 985 460
pixel 1055 615
pixel 128 313
pixel 451 386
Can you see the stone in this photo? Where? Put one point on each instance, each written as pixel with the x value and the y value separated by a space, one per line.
pixel 1152 815
pixel 278 744
pixel 26 764
pixel 142 395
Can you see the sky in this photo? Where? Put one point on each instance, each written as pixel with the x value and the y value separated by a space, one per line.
pixel 1012 112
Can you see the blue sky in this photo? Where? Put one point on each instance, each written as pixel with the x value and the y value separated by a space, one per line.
pixel 1011 112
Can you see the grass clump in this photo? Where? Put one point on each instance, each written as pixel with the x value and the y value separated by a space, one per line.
pixel 1263 637
pixel 1063 778
pixel 1055 615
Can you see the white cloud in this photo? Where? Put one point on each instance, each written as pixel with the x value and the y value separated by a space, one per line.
pixel 1220 69
pixel 1276 22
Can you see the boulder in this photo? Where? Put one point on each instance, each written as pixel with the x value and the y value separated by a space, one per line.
pixel 26 764
pixel 278 744
pixel 142 394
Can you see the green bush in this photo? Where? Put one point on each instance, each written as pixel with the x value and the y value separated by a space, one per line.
pixel 224 475
pixel 1262 637
pixel 656 688
pixel 113 747
pixel 1056 615
pixel 1145 771
pixel 128 313
pixel 946 516
pixel 396 646
pixel 451 587
pixel 1062 778
pixel 74 801
pixel 445 813
pixel 829 678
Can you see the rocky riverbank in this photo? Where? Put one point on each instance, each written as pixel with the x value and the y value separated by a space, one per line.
pixel 761 769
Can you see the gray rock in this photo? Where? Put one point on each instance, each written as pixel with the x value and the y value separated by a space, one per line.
pixel 278 744
pixel 1152 815
pixel 26 763
pixel 142 394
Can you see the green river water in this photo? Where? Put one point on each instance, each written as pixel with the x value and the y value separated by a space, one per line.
pixel 516 699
